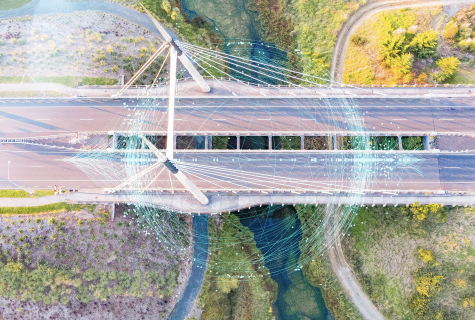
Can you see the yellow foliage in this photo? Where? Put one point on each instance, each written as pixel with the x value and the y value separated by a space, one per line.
pixel 428 283
pixel 450 30
pixel 468 302
pixel 426 255
pixel 460 283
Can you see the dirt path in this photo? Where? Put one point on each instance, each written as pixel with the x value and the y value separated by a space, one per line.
pixel 345 275
pixel 350 284
pixel 350 26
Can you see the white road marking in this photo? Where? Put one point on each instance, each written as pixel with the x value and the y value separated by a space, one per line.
pixel 36 166
pixel 219 119
pixel 265 119
pixel 398 119
pixel 446 119
pixel 86 119
pixel 264 166
pixel 452 167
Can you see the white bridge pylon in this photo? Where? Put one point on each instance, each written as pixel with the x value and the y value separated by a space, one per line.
pixel 175 53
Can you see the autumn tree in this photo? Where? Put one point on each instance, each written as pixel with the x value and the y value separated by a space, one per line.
pixel 424 45
pixel 450 31
pixel 447 68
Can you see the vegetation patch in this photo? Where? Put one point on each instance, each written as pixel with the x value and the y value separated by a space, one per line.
pixel 12 4
pixel 308 27
pixel 319 273
pixel 71 262
pixel 224 294
pixel 415 262
pixel 24 194
pixel 59 206
pixel 399 47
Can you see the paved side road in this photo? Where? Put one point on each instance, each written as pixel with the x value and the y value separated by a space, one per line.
pixel 350 26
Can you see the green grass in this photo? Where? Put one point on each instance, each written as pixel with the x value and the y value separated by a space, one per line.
pixel 24 194
pixel 459 78
pixel 43 193
pixel 14 194
pixel 45 208
pixel 12 4
pixel 68 81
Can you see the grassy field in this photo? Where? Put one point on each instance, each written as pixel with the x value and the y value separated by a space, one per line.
pixel 12 4
pixel 69 81
pixel 59 206
pixel 415 262
pixel 24 194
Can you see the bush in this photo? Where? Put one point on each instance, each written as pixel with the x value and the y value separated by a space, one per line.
pixel 424 45
pixel 99 81
pixel 450 31
pixel 448 67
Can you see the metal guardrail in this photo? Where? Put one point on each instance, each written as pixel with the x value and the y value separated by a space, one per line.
pixel 185 79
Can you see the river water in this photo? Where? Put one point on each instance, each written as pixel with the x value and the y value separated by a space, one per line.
pixel 277 234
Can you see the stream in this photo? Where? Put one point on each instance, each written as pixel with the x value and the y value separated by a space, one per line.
pixel 277 234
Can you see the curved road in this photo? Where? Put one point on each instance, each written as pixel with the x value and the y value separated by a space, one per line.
pixel 358 17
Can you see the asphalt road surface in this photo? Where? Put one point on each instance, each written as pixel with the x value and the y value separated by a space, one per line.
pixel 30 117
pixel 43 167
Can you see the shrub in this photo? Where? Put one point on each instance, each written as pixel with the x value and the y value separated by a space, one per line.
pixel 166 6
pixel 448 67
pixel 424 45
pixel 450 30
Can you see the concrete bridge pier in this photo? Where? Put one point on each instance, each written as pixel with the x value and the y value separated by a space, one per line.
pixel 399 142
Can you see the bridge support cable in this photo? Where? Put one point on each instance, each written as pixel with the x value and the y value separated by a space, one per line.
pixel 226 74
pixel 246 65
pixel 160 70
pixel 223 65
pixel 142 69
pixel 153 180
pixel 190 186
pixel 277 182
pixel 183 59
pixel 251 63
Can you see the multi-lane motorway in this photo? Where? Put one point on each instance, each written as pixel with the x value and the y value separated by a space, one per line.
pixel 20 118
pixel 43 167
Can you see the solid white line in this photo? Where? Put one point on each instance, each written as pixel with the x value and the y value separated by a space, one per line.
pixel 452 167
pixel 219 119
pixel 446 119
pixel 86 119
pixel 398 119
pixel 36 166
pixel 265 119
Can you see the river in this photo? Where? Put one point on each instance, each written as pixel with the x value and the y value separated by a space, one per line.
pixel 277 234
